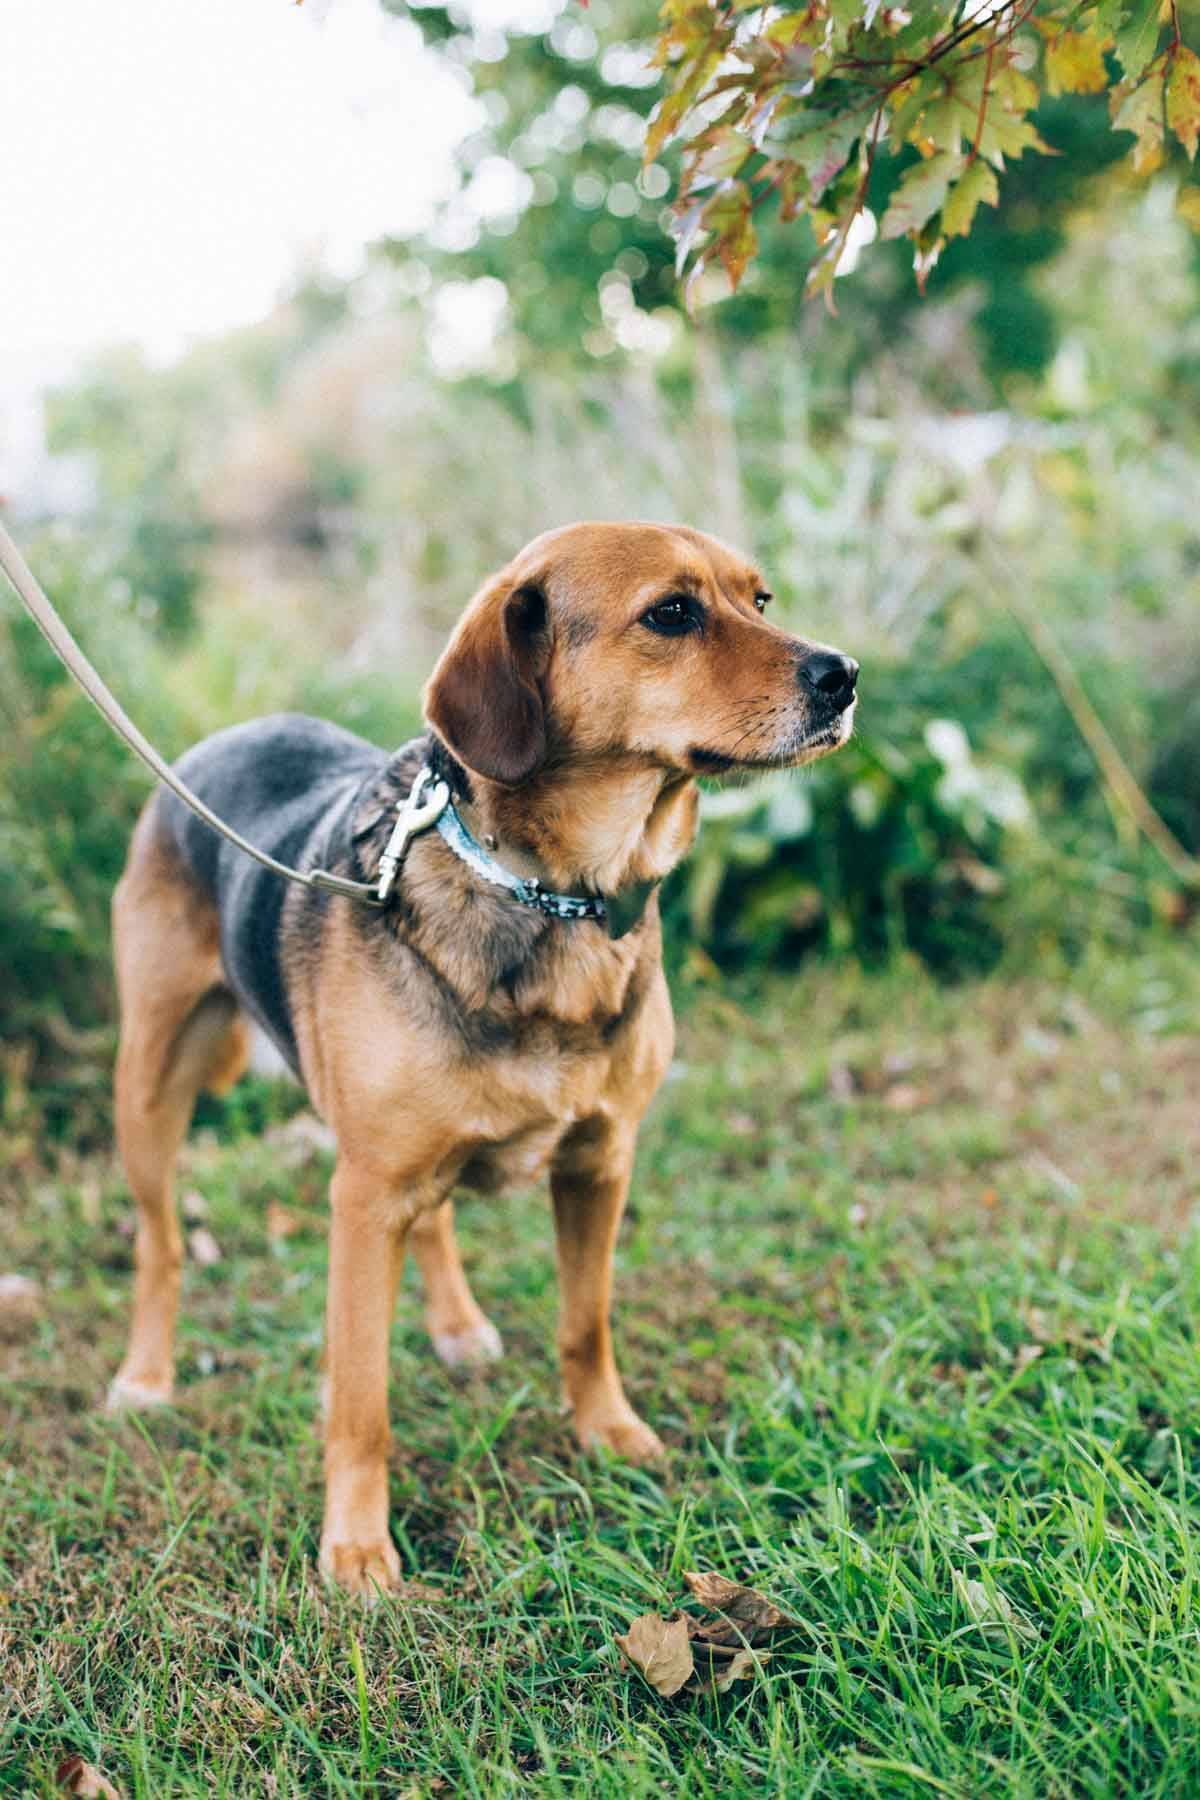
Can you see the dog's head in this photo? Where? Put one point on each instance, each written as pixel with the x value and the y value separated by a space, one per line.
pixel 645 640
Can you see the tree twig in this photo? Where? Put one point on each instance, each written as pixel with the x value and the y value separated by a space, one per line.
pixel 1120 780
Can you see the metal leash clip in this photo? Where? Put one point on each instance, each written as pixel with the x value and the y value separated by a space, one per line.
pixel 416 814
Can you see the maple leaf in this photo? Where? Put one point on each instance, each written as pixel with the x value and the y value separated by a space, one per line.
pixel 920 193
pixel 1183 98
pixel 977 185
pixel 1075 62
pixel 1137 36
pixel 1139 108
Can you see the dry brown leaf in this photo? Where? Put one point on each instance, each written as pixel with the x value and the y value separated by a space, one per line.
pixel 75 1776
pixel 906 1097
pixel 280 1222
pixel 661 1652
pixel 722 1674
pixel 203 1247
pixel 748 1616
pixel 19 1293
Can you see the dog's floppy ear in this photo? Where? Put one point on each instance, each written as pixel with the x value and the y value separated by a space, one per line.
pixel 483 698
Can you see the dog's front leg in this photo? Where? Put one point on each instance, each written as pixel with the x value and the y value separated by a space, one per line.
pixel 365 1243
pixel 589 1183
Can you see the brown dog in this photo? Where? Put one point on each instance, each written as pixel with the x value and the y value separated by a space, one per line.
pixel 468 1034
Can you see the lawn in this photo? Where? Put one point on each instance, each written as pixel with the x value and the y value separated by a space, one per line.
pixel 911 1288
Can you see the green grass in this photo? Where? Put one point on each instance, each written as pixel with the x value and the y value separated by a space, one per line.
pixel 911 1287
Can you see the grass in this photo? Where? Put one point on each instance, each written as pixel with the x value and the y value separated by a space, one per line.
pixel 911 1287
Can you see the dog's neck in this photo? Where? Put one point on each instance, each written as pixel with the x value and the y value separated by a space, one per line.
pixel 588 827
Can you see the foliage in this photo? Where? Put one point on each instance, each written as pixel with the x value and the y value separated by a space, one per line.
pixel 892 846
pixel 557 203
pixel 801 103
pixel 69 792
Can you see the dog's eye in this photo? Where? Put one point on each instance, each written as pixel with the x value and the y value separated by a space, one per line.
pixel 673 617
pixel 761 601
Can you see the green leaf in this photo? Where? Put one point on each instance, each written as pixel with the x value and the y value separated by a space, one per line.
pixel 722 153
pixel 1137 36
pixel 920 194
pixel 977 185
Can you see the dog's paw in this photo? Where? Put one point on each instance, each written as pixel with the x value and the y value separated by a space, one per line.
pixel 127 1393
pixel 624 1434
pixel 469 1346
pixel 366 1570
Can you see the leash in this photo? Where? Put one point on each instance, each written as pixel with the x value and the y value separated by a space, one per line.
pixel 417 813
pixel 428 802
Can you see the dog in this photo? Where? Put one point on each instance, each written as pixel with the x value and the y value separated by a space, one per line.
pixel 505 1013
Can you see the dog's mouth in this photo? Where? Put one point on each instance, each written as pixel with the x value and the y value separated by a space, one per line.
pixel 805 747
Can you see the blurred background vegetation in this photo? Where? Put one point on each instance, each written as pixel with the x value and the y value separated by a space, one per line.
pixel 988 495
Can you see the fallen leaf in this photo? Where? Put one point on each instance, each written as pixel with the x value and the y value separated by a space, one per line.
pixel 905 1097
pixel 203 1247
pixel 661 1652
pixel 280 1222
pixel 747 1617
pixel 75 1776
pixel 20 1306
pixel 723 1672
pixel 19 1293
pixel 990 1611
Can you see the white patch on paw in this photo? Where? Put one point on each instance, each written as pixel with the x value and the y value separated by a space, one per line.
pixel 469 1349
pixel 125 1395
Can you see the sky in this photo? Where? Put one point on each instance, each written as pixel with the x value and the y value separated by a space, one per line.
pixel 167 165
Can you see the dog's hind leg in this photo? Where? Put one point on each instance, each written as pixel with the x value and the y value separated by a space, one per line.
pixel 180 1031
pixel 462 1334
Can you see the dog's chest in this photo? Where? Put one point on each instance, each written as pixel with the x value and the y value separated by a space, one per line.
pixel 515 1161
pixel 528 1103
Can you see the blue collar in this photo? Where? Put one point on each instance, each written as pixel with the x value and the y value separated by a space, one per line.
pixel 619 913
pixel 526 892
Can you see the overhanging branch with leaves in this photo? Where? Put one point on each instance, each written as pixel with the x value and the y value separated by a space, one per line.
pixel 794 104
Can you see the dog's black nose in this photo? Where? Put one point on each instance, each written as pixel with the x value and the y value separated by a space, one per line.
pixel 831 674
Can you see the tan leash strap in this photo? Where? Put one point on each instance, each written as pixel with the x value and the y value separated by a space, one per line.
pixel 46 619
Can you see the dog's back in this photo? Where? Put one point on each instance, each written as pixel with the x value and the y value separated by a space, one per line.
pixel 286 783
